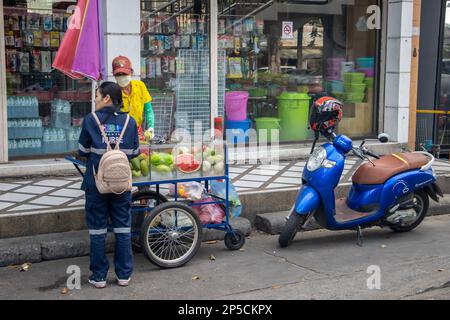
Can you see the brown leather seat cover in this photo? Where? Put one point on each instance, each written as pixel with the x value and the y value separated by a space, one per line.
pixel 388 166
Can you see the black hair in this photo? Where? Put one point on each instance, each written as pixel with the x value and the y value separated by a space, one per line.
pixel 113 90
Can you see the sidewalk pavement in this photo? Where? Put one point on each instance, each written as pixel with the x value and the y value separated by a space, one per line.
pixel 59 194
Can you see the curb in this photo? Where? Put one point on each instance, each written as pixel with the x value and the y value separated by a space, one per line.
pixel 34 249
pixel 254 203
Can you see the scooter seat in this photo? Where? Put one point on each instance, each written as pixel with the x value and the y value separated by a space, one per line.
pixel 388 166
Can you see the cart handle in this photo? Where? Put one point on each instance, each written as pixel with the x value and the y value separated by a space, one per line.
pixel 77 164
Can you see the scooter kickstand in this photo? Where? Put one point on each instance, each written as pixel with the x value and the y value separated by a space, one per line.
pixel 360 238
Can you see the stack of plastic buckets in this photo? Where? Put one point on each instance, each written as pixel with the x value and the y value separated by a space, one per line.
pixel 236 112
pixel 367 66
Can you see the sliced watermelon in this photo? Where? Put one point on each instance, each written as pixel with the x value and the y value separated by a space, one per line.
pixel 186 163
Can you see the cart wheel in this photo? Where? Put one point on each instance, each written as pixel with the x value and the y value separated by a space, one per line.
pixel 235 241
pixel 140 200
pixel 171 235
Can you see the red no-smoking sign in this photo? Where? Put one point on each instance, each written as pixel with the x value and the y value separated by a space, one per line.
pixel 288 30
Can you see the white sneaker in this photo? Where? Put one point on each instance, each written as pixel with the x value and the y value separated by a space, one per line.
pixel 98 284
pixel 123 283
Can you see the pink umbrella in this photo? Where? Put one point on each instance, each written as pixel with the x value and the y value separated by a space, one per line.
pixel 82 52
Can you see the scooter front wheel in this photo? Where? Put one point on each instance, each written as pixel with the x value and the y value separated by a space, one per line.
pixel 290 229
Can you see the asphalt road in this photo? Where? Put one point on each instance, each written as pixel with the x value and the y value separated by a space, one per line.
pixel 319 265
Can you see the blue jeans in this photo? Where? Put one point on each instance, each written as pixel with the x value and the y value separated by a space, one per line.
pixel 99 208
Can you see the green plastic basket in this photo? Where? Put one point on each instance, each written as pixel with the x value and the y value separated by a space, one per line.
pixel 354 97
pixel 354 77
pixel 369 82
pixel 355 87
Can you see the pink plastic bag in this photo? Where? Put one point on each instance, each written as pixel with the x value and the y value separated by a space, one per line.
pixel 209 213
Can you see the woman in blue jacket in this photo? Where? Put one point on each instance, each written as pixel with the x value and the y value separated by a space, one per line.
pixel 101 207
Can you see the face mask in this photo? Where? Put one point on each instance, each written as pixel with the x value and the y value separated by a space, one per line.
pixel 123 81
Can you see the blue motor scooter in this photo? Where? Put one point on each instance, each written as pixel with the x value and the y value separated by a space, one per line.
pixel 390 191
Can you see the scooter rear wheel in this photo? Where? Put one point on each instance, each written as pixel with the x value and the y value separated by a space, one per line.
pixel 290 229
pixel 421 208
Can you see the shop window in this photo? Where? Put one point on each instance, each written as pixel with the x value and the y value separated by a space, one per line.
pixel 45 108
pixel 285 54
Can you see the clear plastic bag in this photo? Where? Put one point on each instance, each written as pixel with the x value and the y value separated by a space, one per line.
pixel 218 189
pixel 209 213
pixel 188 190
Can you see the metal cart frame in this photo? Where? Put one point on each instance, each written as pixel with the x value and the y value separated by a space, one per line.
pixel 238 236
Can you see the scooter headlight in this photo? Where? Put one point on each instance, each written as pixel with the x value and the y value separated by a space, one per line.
pixel 316 160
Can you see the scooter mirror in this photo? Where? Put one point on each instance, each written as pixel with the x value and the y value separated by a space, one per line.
pixel 383 137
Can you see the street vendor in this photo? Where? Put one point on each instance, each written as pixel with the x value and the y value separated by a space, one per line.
pixel 135 95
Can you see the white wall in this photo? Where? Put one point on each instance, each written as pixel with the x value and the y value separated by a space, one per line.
pixel 398 69
pixel 122 32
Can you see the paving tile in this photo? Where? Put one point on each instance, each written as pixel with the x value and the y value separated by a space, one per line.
pixel 78 203
pixel 76 185
pixel 264 172
pixel 68 193
pixel 4 205
pixel 16 197
pixel 52 201
pixel 52 183
pixel 300 164
pixel 237 170
pixel 8 186
pixel 291 174
pixel 253 177
pixel 34 190
pixel 295 181
pixel 247 184
pixel 280 186
pixel 271 167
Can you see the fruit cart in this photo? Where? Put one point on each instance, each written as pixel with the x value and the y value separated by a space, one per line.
pixel 168 230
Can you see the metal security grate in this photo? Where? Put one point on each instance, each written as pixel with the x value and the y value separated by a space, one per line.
pixel 193 88
pixel 163 108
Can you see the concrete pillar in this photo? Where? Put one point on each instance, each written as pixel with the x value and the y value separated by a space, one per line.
pixel 398 69
pixel 3 110
pixel 122 32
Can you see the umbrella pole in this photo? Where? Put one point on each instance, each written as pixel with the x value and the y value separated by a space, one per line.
pixel 93 87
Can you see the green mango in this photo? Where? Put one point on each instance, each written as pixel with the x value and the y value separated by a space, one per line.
pixel 135 173
pixel 136 164
pixel 144 168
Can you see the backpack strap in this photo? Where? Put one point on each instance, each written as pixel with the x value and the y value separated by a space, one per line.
pixel 123 132
pixel 102 130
